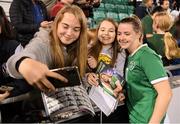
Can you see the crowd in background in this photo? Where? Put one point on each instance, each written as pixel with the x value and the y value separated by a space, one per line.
pixel 36 40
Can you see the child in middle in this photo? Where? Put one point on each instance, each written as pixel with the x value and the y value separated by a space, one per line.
pixel 106 50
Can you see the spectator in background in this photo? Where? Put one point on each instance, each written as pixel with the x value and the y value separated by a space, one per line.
pixel 162 41
pixel 177 37
pixel 27 16
pixel 87 6
pixel 144 8
pixel 59 4
pixel 164 4
pixel 7 49
pixel 148 90
pixel 147 22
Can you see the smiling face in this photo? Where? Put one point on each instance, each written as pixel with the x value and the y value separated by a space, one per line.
pixel 127 37
pixel 106 33
pixel 68 29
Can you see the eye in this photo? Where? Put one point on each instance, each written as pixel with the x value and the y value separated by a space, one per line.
pixel 119 33
pixel 65 26
pixel 111 31
pixel 127 34
pixel 76 29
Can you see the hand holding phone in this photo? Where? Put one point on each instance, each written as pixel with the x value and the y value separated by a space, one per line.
pixel 5 88
pixel 71 73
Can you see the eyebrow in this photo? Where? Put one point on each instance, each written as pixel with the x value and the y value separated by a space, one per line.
pixel 68 25
pixel 106 28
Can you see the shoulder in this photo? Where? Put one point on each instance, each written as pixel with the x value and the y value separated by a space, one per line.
pixel 43 34
pixel 148 54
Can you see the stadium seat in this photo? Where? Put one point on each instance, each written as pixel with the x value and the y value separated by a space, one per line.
pixel 98 16
pixel 113 16
pixel 122 15
pixel 110 7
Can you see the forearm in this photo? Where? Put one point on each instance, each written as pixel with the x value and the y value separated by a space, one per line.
pixel 160 108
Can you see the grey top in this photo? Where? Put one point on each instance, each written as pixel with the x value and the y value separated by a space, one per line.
pixel 38 49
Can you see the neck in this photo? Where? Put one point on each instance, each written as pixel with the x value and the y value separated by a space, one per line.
pixel 134 47
pixel 106 45
pixel 160 31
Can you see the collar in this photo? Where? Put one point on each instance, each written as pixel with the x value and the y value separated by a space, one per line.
pixel 137 49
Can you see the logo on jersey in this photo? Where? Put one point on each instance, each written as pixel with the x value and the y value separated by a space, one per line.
pixel 131 65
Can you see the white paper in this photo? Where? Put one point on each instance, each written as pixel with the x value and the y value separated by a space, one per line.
pixel 103 100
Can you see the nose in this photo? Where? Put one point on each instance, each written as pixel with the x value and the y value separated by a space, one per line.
pixel 69 32
pixel 106 32
pixel 120 37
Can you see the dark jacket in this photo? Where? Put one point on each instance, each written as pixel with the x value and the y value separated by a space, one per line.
pixel 22 18
pixel 141 11
pixel 88 7
pixel 7 48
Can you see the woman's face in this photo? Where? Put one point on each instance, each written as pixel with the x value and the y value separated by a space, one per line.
pixel 127 37
pixel 68 29
pixel 106 33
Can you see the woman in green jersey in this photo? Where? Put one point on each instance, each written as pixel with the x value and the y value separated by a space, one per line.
pixel 148 90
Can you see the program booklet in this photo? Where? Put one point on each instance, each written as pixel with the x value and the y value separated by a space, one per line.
pixel 67 102
pixel 103 95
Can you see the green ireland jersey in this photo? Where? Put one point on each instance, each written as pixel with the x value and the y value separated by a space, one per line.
pixel 144 68
pixel 156 42
pixel 147 23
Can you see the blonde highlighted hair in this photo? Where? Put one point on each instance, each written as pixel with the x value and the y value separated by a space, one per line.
pixel 172 50
pixel 76 50
pixel 164 22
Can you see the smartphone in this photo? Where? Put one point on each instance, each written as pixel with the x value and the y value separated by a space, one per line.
pixel 71 73
pixel 4 88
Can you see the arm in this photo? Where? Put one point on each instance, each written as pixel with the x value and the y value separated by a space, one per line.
pixel 92 62
pixel 162 101
pixel 35 67
pixel 36 74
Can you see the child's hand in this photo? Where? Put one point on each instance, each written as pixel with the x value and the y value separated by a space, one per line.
pixel 117 90
pixel 92 62
pixel 120 97
pixel 92 79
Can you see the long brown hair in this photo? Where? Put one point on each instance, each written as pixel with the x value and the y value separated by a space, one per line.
pixel 96 49
pixel 76 50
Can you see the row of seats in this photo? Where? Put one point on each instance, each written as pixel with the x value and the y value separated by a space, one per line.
pixel 100 15
pixel 118 8
pixel 115 1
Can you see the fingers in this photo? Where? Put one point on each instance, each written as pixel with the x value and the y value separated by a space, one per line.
pixel 4 95
pixel 48 85
pixel 118 89
pixel 56 76
pixel 45 85
pixel 121 97
pixel 93 79
pixel 92 62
